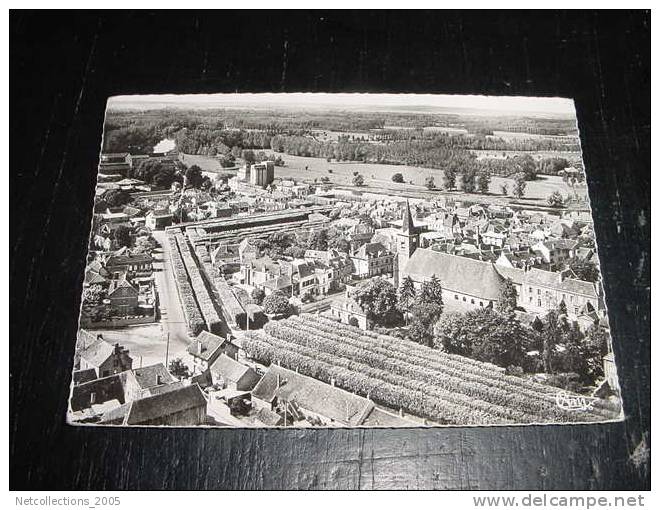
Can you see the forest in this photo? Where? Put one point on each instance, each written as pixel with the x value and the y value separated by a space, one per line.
pixel 362 137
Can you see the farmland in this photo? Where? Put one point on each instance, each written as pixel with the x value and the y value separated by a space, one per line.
pixel 380 175
pixel 447 389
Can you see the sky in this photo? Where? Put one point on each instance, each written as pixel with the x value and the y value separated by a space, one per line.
pixel 343 101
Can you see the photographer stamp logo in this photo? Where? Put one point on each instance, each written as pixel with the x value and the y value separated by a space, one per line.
pixel 570 402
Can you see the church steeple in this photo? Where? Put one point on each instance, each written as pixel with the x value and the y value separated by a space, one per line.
pixel 408 226
pixel 406 243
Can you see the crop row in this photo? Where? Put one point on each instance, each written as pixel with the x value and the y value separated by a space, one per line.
pixel 204 300
pixel 191 312
pixel 492 386
pixel 479 394
pixel 467 365
pixel 465 368
pixel 268 350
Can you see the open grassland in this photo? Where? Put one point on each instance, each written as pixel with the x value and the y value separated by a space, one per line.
pixel 380 176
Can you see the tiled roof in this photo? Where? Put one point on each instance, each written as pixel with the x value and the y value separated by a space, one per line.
pixel 83 376
pixel 147 377
pixel 97 352
pixel 514 274
pixel 229 369
pixel 459 274
pixel 313 395
pixel 209 343
pixel 124 260
pixel 159 406
pixel 372 250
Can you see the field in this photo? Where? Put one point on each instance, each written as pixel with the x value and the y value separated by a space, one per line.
pixel 379 176
pixel 396 373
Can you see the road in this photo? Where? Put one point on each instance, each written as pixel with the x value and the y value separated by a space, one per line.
pixel 171 312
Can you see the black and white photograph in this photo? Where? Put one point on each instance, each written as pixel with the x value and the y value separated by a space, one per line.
pixel 342 260
pixel 275 250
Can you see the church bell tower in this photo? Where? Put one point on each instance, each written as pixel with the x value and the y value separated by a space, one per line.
pixel 407 241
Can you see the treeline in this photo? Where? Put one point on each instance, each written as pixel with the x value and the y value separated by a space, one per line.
pixel 482 139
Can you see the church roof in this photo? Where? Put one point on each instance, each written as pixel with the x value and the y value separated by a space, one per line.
pixel 459 274
pixel 408 226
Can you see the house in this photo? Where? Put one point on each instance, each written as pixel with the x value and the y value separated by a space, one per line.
pixel 158 219
pixel 146 381
pixel 225 254
pixel 544 290
pixel 138 264
pixel 115 163
pixel 183 406
pixel 104 358
pixel 347 310
pixel 306 401
pixel 445 223
pixel 247 251
pixel 359 235
pixel 123 296
pixel 465 281
pixel 372 259
pixel 337 261
pixel 231 374
pixel 555 251
pixel 121 388
pixel 207 348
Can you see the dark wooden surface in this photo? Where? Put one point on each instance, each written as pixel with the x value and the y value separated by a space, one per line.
pixel 64 66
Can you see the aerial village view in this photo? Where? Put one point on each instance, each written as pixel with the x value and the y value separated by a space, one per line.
pixel 299 260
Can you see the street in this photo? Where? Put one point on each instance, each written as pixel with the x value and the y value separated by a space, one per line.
pixel 171 314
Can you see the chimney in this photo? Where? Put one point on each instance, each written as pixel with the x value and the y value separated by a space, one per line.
pixel 159 380
pixel 200 349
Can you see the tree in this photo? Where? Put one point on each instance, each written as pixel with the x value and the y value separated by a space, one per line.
pixel 406 296
pixel 595 347
pixel 194 176
pixel 429 182
pixel 450 178
pixel 562 308
pixel 398 177
pixel 258 295
pixel 425 317
pixel 276 304
pixel 93 295
pixel 318 240
pixel 123 236
pixel 468 180
pixel 145 244
pixel 248 156
pixel 179 369
pixel 116 197
pixel 555 199
pixel 378 298
pixel 552 336
pixel 164 177
pixel 527 166
pixel 584 270
pixel 431 292
pixel 483 182
pixel 358 180
pixel 519 185
pixel 485 335
pixel 508 297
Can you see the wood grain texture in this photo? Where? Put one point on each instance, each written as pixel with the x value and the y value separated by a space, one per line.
pixel 64 66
